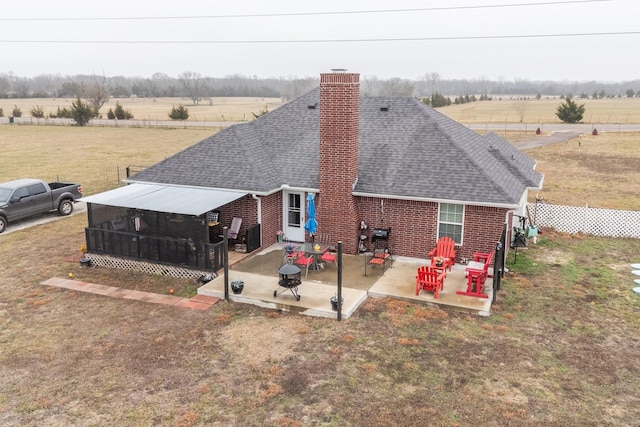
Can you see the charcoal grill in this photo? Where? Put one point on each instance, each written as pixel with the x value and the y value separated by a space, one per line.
pixel 290 278
pixel 380 234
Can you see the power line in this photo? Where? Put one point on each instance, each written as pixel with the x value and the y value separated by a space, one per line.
pixel 401 39
pixel 290 14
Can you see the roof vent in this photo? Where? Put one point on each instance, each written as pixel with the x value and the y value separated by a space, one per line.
pixel 339 70
pixel 312 106
pixel 384 107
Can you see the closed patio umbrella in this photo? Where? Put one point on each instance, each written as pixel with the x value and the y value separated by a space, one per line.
pixel 312 224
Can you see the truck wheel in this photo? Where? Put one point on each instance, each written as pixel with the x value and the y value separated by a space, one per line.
pixel 65 208
pixel 3 224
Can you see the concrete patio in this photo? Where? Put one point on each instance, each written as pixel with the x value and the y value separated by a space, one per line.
pixel 259 273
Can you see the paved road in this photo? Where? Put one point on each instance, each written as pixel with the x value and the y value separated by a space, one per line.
pixel 554 138
pixel 79 207
pixel 555 127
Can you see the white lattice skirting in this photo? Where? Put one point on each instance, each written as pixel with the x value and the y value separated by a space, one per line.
pixel 593 221
pixel 100 260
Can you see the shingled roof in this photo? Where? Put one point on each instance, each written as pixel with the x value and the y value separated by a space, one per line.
pixel 407 150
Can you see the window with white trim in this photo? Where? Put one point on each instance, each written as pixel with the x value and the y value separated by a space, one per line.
pixel 450 220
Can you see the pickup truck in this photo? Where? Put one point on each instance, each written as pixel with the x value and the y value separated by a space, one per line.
pixel 24 198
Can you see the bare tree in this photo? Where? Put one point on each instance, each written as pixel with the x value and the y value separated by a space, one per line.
pixel 195 86
pixel 396 87
pixel 21 88
pixel 4 87
pixel 97 91
pixel 370 83
pixel 520 105
pixel 43 84
pixel 160 85
pixel 432 79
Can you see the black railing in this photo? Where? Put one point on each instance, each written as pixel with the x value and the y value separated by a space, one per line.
pixel 253 238
pixel 498 261
pixel 155 249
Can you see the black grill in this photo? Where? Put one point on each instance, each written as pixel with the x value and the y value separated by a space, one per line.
pixel 380 234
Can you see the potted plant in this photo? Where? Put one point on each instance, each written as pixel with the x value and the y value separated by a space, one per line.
pixel 288 247
pixel 439 261
pixel 280 236
pixel 334 302
pixel 237 286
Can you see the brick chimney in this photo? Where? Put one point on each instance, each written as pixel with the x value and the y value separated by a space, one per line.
pixel 339 134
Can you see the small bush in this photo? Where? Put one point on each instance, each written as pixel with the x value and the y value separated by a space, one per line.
pixel 119 113
pixel 1 113
pixel 17 112
pixel 179 113
pixel 569 111
pixel 37 112
pixel 81 112
pixel 61 113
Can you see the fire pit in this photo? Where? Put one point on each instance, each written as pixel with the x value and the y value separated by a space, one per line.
pixel 290 279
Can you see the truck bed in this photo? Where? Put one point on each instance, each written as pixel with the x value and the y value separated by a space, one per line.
pixel 57 185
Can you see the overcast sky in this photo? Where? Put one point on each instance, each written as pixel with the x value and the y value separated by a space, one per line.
pixel 404 38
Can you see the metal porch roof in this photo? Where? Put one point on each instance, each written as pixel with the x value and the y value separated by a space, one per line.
pixel 164 198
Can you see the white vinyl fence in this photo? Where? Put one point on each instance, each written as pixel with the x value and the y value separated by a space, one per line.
pixel 593 221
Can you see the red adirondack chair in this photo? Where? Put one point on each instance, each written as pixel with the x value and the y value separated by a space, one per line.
pixel 430 279
pixel 445 250
pixel 486 258
pixel 476 278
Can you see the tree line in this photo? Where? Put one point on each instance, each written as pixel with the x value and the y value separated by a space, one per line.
pixel 198 87
pixel 92 92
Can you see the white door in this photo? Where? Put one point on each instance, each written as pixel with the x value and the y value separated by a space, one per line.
pixel 294 215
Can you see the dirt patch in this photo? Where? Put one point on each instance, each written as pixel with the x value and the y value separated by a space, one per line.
pixel 257 341
pixel 555 257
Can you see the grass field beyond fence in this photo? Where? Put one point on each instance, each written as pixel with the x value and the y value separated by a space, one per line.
pixel 538 112
pixel 94 157
pixel 499 110
pixel 152 109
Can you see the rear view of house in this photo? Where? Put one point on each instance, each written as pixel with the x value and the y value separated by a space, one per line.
pixel 389 165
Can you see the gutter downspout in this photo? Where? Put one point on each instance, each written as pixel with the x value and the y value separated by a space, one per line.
pixel 259 207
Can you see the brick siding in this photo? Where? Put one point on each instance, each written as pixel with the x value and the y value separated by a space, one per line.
pixel 414 226
pixel 271 218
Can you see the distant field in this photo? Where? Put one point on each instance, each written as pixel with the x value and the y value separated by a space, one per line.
pixel 218 109
pixel 96 157
pixel 607 111
pixel 600 171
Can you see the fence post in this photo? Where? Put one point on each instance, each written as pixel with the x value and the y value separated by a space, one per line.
pixel 225 260
pixel 339 295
